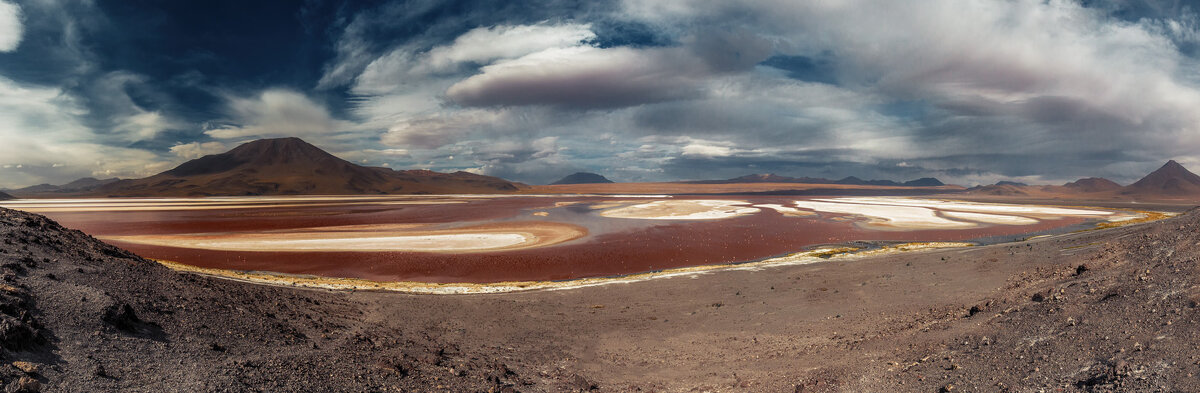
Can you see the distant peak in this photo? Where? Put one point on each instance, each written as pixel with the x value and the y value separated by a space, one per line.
pixel 582 178
pixel 1171 178
pixel 278 146
pixel 1172 167
pixel 291 140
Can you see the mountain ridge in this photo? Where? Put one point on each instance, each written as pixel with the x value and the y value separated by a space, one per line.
pixel 1171 181
pixel 78 185
pixel 849 180
pixel 291 166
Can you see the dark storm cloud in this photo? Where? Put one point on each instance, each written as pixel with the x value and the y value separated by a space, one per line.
pixel 812 69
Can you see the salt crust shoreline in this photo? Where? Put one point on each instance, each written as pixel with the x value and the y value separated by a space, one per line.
pixel 375 238
pixel 821 254
pixel 824 254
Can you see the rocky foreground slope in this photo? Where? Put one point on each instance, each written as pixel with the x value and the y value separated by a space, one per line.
pixel 78 315
pixel 1111 310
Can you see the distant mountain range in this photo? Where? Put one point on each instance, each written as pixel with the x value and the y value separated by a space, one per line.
pixel 77 186
pixel 582 178
pixel 290 166
pixel 1171 180
pixel 851 180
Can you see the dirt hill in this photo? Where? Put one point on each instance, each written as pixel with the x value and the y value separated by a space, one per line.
pixel 289 166
pixel 1093 184
pixel 583 178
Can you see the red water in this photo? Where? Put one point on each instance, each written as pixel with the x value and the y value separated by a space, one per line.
pixel 614 246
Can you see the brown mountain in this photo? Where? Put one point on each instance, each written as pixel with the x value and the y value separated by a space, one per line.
pixel 1092 184
pixel 1000 190
pixel 1171 179
pixel 4 196
pixel 290 166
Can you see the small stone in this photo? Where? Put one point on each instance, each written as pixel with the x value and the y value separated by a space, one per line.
pixel 580 384
pixel 25 384
pixel 99 371
pixel 26 367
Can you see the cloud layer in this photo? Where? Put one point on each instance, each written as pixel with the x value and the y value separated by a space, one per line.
pixel 971 91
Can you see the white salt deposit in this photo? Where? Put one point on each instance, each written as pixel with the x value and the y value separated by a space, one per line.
pixel 991 218
pixel 887 217
pixel 682 210
pixel 971 206
pixel 324 242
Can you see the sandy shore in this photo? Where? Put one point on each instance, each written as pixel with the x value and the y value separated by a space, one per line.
pixel 819 255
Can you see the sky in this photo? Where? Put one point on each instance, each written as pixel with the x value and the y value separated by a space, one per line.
pixel 968 91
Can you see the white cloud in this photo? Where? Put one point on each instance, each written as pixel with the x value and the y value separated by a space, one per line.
pixel 706 150
pixel 439 129
pixel 582 76
pixel 130 122
pixel 485 44
pixel 144 125
pixel 195 150
pixel 11 29
pixel 277 113
pixel 45 140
